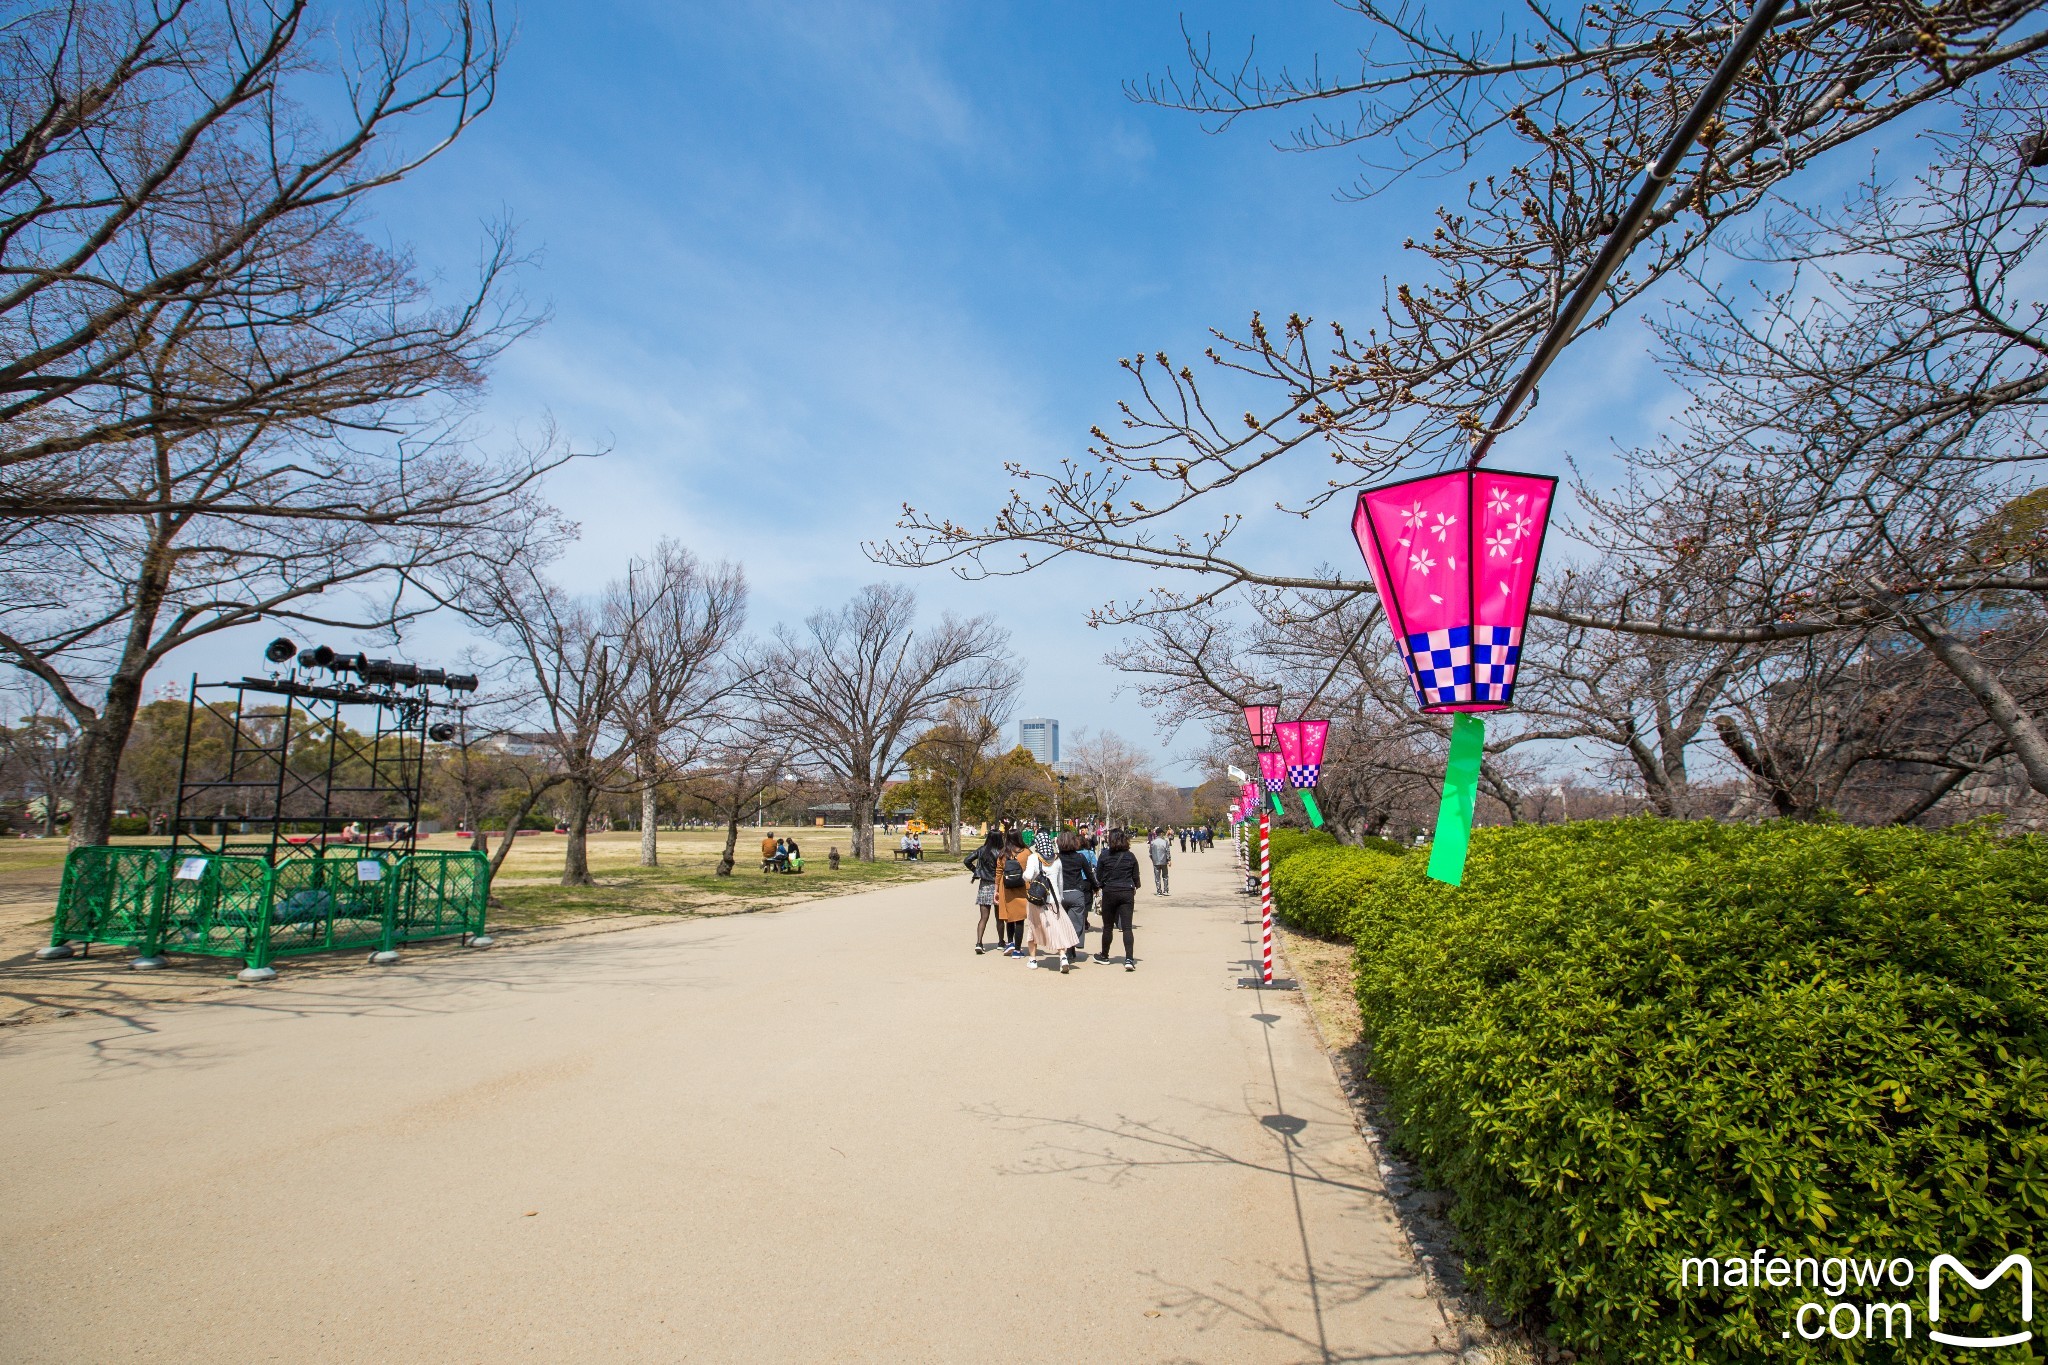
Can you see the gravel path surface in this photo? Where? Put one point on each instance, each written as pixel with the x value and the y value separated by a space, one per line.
pixel 829 1133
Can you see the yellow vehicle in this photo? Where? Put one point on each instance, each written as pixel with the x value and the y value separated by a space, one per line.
pixel 916 826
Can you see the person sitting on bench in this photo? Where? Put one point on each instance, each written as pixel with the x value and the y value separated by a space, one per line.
pixel 771 852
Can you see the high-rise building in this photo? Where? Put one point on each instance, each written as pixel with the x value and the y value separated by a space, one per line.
pixel 1041 735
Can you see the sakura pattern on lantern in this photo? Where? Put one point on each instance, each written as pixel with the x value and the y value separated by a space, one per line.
pixel 1456 585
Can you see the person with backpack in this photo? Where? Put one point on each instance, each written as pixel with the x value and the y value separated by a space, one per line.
pixel 1162 859
pixel 1077 881
pixel 985 865
pixel 1116 871
pixel 1046 928
pixel 1011 893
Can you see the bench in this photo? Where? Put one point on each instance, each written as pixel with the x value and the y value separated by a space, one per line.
pixel 907 854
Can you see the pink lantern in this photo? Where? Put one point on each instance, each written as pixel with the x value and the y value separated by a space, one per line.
pixel 1301 750
pixel 1250 796
pixel 1454 558
pixel 1259 719
pixel 1273 768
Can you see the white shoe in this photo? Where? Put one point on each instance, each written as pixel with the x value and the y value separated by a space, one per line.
pixel 1032 964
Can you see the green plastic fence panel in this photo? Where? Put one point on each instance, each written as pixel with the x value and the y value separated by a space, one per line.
pixel 108 895
pixel 441 894
pixel 242 905
pixel 218 905
pixel 322 903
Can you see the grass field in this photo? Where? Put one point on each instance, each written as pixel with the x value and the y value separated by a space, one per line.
pixel 528 888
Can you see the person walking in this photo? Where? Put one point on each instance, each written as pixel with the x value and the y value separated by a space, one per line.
pixel 1011 889
pixel 1116 871
pixel 1090 851
pixel 1046 927
pixel 1162 859
pixel 985 865
pixel 1076 879
pixel 1182 833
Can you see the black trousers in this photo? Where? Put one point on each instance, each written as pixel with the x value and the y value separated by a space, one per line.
pixel 1116 913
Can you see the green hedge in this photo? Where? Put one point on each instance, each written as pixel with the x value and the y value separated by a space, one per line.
pixel 1316 889
pixel 1624 1043
pixel 1285 843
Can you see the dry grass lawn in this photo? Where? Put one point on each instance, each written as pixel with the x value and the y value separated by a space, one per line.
pixel 529 903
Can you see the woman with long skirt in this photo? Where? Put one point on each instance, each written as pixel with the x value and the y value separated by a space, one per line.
pixel 1047 928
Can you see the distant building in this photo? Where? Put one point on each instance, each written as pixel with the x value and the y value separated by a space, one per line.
pixel 1041 735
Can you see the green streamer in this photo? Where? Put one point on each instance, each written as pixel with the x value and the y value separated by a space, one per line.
pixel 1308 801
pixel 1461 794
pixel 1278 809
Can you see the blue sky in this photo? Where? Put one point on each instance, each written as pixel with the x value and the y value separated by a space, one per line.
pixel 806 261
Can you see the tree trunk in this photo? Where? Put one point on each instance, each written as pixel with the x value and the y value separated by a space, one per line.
pixel 512 826
pixel 860 815
pixel 732 842
pixel 650 816
pixel 2029 744
pixel 576 856
pixel 953 830
pixel 479 841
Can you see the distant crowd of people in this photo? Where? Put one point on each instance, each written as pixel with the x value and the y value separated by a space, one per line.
pixel 1042 888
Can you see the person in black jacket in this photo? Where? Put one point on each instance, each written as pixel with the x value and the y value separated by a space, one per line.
pixel 985 865
pixel 1077 879
pixel 1116 871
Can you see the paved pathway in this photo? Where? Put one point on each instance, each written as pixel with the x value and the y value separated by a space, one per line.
pixel 829 1133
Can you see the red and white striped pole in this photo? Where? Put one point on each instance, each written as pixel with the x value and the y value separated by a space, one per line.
pixel 1266 889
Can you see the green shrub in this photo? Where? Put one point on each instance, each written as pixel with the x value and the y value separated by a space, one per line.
pixel 1317 888
pixel 128 825
pixel 1285 843
pixel 1624 1043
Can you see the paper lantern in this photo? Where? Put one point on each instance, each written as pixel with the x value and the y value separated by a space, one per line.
pixel 1260 719
pixel 1273 769
pixel 1454 557
pixel 1301 750
pixel 1250 796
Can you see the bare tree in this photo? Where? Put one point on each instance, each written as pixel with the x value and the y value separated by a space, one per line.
pixel 1117 775
pixel 958 751
pixel 1556 123
pixel 184 179
pixel 220 399
pixel 683 619
pixel 741 764
pixel 576 674
pixel 855 686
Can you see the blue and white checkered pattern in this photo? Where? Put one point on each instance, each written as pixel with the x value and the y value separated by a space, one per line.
pixel 1301 775
pixel 1449 666
pixel 1275 785
pixel 1494 656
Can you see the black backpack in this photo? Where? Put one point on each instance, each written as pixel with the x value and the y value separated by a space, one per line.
pixel 1013 873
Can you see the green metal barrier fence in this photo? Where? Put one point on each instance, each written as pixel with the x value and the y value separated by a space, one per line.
pixel 243 905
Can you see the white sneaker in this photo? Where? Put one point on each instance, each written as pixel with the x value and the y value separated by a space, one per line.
pixel 1032 964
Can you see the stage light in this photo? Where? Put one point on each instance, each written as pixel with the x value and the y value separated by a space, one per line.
pixel 319 657
pixel 376 672
pixel 441 730
pixel 403 675
pixel 462 682
pixel 280 650
pixel 433 677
